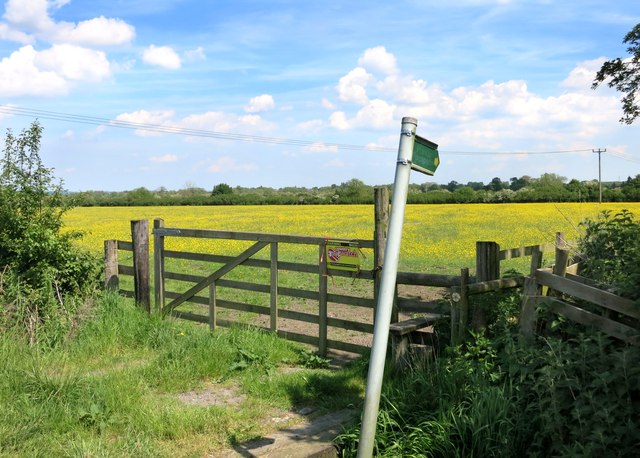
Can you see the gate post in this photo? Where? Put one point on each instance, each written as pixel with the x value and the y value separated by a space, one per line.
pixel 111 280
pixel 381 225
pixel 487 268
pixel 158 266
pixel 140 239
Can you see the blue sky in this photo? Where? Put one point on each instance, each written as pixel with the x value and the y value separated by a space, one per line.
pixel 291 82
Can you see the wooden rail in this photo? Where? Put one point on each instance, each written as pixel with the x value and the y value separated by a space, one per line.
pixel 204 291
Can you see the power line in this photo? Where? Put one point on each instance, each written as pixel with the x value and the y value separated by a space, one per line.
pixel 164 129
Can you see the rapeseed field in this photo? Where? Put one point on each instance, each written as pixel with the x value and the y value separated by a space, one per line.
pixel 435 237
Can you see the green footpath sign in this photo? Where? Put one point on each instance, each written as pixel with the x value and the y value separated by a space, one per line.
pixel 425 156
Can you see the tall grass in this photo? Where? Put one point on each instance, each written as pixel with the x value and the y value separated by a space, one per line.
pixel 112 387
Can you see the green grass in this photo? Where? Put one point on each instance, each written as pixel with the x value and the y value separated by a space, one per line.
pixel 113 388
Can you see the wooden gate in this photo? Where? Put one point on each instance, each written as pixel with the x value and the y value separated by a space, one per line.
pixel 169 301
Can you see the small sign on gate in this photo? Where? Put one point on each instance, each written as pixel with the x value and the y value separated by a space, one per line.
pixel 342 255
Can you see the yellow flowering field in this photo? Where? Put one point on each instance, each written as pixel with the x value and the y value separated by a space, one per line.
pixel 436 237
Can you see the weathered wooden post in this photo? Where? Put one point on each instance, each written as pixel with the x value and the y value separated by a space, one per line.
pixel 381 225
pixel 530 290
pixel 111 280
pixel 273 288
pixel 322 305
pixel 140 239
pixel 487 269
pixel 158 265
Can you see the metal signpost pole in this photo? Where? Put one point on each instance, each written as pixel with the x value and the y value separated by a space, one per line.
pixel 387 289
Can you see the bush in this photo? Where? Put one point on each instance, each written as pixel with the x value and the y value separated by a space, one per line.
pixel 611 251
pixel 40 264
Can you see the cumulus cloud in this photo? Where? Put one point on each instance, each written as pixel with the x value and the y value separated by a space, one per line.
pixel 260 103
pixel 150 118
pixel 161 56
pixel 378 60
pixel 74 62
pixel 33 17
pixel 488 115
pixel 71 57
pixel 582 76
pixel 352 87
pixel 21 76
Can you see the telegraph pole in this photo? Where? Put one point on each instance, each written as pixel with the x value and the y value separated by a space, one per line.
pixel 599 151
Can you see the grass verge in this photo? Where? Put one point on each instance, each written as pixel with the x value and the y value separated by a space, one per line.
pixel 127 384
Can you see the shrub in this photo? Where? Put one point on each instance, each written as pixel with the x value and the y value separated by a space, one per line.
pixel 41 264
pixel 611 251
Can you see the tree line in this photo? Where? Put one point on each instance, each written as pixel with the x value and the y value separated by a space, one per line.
pixel 548 187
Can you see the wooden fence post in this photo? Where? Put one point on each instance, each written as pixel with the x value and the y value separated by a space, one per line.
pixel 158 266
pixel 111 280
pixel 464 303
pixel 274 287
pixel 381 226
pixel 530 290
pixel 322 306
pixel 487 269
pixel 140 239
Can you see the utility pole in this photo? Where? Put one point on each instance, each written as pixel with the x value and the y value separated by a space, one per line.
pixel 599 151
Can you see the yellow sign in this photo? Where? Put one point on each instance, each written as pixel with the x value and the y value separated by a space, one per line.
pixel 342 255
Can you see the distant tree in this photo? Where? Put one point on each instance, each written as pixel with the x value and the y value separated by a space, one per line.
pixel 453 185
pixel 221 189
pixel 475 185
pixel 624 76
pixel 631 189
pixel 496 184
pixel 518 183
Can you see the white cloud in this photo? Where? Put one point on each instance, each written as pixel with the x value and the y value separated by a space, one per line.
pixel 21 76
pixel 320 147
pixel 195 54
pixel 164 158
pixel 33 16
pixel 9 34
pixel 326 103
pixel 353 86
pixel 260 103
pixel 98 31
pixel 492 115
pixel 161 56
pixel 581 77
pixel 229 164
pixel 338 120
pixel 154 118
pixel 74 63
pixel 378 60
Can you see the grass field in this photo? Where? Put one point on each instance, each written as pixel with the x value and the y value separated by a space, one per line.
pixel 436 237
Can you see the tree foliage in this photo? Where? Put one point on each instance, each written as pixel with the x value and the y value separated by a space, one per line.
pixel 624 76
pixel 611 250
pixel 35 251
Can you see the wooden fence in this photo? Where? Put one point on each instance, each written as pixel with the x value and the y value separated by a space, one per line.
pixel 578 299
pixel 166 301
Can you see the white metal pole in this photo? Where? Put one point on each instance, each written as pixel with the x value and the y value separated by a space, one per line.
pixel 387 289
